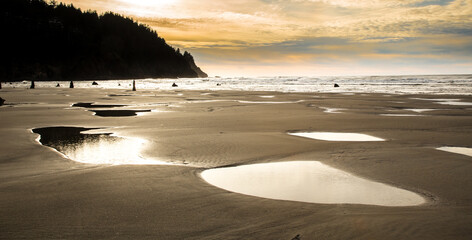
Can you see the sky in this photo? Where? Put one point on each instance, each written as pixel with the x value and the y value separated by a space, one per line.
pixel 310 37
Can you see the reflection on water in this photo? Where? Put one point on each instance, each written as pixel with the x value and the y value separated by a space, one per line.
pixel 311 182
pixel 334 136
pixel 258 102
pixel 401 115
pixel 455 103
pixel 332 110
pixel 92 105
pixel 458 150
pixel 118 113
pixel 102 148
pixel 420 110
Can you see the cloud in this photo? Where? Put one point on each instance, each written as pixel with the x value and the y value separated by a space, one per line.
pixel 365 3
pixel 309 32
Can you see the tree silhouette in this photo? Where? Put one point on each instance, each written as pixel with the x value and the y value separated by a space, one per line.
pixel 55 41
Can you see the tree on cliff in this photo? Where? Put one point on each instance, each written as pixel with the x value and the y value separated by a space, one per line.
pixel 50 41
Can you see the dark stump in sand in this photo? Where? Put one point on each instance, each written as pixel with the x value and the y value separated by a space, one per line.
pixel 32 85
pixel 118 113
pixel 336 85
pixel 174 85
pixel 71 85
pixel 298 237
pixel 58 85
pixel 1 101
pixel 94 83
pixel 134 85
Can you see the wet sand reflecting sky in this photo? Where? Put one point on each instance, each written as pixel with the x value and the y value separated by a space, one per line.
pixel 335 136
pixel 102 148
pixel 308 181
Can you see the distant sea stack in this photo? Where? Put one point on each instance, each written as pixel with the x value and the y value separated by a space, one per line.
pixel 54 41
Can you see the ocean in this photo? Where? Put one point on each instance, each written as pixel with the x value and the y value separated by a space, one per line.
pixel 419 84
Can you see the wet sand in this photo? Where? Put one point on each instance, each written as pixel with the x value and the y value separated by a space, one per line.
pixel 46 196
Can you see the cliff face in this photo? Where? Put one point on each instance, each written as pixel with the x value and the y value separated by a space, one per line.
pixel 60 42
pixel 194 66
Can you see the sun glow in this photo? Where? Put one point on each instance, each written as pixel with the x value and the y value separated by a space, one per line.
pixel 147 8
pixel 149 3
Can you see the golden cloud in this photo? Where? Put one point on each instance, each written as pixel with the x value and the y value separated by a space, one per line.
pixel 295 31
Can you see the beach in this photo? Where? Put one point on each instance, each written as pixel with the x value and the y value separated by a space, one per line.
pixel 45 195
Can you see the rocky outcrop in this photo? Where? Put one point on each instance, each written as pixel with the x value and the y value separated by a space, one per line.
pixel 194 66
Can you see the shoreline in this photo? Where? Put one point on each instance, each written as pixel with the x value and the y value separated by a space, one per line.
pixel 55 198
pixel 403 85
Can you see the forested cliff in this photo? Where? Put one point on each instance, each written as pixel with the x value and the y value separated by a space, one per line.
pixel 50 41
